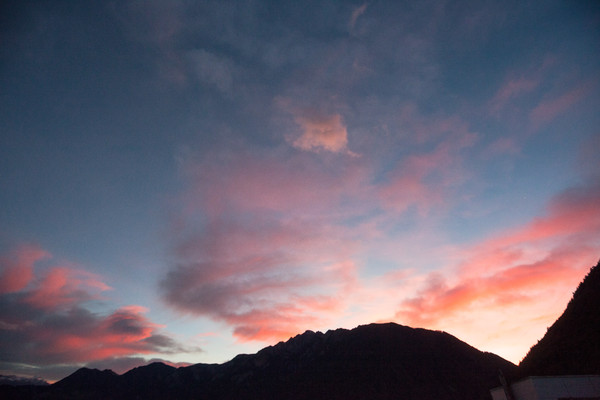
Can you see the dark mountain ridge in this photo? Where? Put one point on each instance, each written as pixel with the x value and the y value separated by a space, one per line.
pixel 571 346
pixel 377 361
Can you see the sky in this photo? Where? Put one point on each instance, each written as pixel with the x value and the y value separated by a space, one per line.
pixel 185 181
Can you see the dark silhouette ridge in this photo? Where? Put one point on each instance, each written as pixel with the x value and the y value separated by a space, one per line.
pixel 377 361
pixel 571 346
pixel 85 378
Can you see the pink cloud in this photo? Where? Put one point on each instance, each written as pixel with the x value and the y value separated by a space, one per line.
pixel 47 322
pixel 124 332
pixel 534 268
pixel 16 269
pixel 269 243
pixel 277 182
pixel 518 84
pixel 495 287
pixel 571 213
pixel 423 179
pixel 62 286
pixel 550 108
pixel 267 281
pixel 511 89
pixel 326 132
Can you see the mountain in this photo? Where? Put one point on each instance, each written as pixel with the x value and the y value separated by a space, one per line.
pixel 571 346
pixel 377 361
pixel 86 378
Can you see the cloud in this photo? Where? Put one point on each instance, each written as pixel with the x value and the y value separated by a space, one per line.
pixel 532 268
pixel 240 182
pixel 264 243
pixel 213 70
pixel 519 83
pixel 321 132
pixel 496 287
pixel 268 280
pixel 358 11
pixel 16 269
pixel 48 323
pixel 272 242
pixel 423 179
pixel 552 107
pixel 261 243
pixel 511 89
pixel 500 147
pixel 62 286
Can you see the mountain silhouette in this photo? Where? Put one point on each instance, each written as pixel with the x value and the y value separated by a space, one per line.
pixel 377 361
pixel 571 346
pixel 86 378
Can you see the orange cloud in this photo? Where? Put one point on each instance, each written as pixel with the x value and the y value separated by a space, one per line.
pixel 326 132
pixel 532 269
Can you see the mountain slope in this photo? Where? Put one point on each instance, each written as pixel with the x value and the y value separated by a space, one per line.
pixel 378 361
pixel 571 345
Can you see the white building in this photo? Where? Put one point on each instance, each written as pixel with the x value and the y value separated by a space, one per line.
pixel 568 387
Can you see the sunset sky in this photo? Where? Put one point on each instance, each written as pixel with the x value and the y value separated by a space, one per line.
pixel 189 180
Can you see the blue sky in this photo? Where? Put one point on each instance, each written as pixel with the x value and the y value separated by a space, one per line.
pixel 187 180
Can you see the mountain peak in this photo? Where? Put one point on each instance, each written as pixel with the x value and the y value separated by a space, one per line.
pixel 375 361
pixel 88 377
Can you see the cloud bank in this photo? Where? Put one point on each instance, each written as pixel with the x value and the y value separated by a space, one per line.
pixel 523 277
pixel 46 319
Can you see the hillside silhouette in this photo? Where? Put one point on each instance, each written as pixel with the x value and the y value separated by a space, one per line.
pixel 571 346
pixel 374 362
pixel 377 361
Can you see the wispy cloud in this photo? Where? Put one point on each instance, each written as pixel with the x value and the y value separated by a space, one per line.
pixel 267 278
pixel 63 287
pixel 258 246
pixel 16 268
pixel 518 84
pixel 512 88
pixel 358 11
pixel 544 258
pixel 423 179
pixel 49 322
pixel 272 243
pixel 551 107
pixel 212 70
